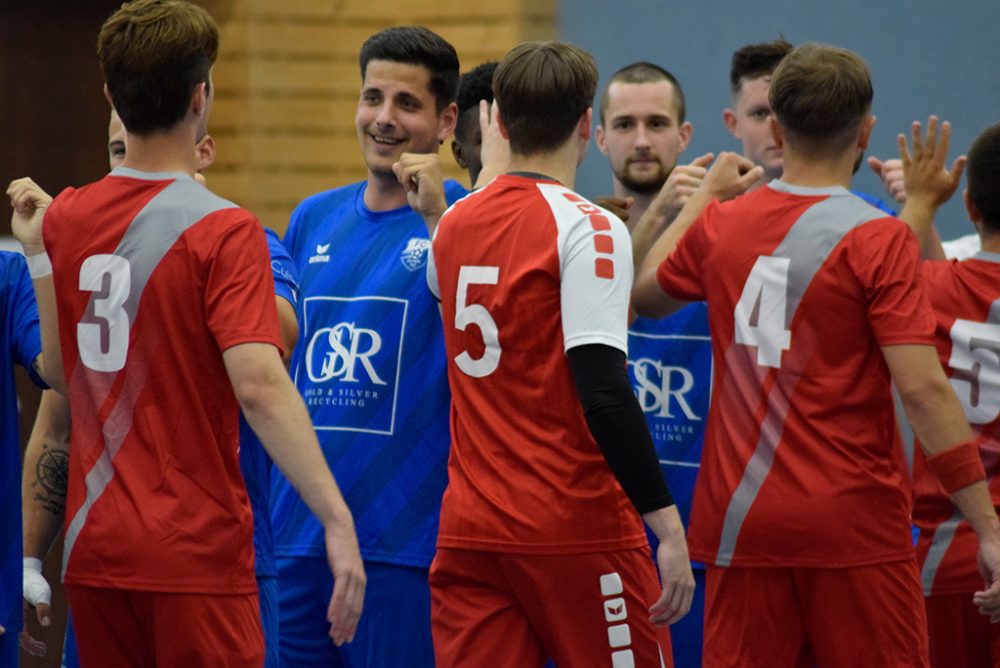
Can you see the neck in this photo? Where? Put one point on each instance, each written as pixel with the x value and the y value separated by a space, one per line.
pixel 559 164
pixel 169 151
pixel 990 241
pixel 640 202
pixel 384 192
pixel 818 173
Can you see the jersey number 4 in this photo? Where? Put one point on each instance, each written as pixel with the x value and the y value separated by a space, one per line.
pixel 760 313
pixel 975 361
pixel 476 314
pixel 102 337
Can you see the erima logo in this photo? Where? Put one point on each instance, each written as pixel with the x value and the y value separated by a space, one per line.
pixel 414 256
pixel 321 254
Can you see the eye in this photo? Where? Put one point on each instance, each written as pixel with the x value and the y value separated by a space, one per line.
pixel 371 97
pixel 760 114
pixel 622 125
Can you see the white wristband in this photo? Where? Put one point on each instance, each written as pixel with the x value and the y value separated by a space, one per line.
pixel 34 585
pixel 38 265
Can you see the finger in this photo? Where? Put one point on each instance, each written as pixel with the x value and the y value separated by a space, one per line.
pixel 751 177
pixel 30 645
pixel 957 167
pixel 703 160
pixel 904 153
pixel 875 165
pixel 944 141
pixel 918 145
pixel 43 613
pixel 930 142
pixel 484 116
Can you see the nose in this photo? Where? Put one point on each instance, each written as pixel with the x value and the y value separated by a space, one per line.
pixel 641 136
pixel 386 115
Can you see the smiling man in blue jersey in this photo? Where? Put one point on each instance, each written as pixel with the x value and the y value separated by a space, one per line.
pixel 370 365
pixel 642 131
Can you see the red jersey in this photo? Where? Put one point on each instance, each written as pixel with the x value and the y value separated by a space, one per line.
pixel 966 300
pixel 527 269
pixel 803 287
pixel 154 277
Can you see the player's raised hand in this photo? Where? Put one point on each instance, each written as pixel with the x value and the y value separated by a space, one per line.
pixel 422 179
pixel 616 205
pixel 683 181
pixel 731 175
pixel 29 202
pixel 926 178
pixel 891 173
pixel 674 564
pixel 495 151
pixel 349 582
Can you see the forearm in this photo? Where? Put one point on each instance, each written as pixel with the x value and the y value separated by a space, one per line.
pixel 43 484
pixel 919 216
pixel 666 525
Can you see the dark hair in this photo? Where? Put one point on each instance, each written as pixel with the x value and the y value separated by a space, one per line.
pixel 416 45
pixel 542 89
pixel 640 73
pixel 475 85
pixel 983 174
pixel 153 54
pixel 756 60
pixel 819 95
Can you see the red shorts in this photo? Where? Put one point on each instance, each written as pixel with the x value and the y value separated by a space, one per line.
pixel 800 617
pixel 124 628
pixel 505 610
pixel 960 636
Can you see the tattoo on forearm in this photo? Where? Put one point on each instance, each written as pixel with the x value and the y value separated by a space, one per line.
pixel 51 475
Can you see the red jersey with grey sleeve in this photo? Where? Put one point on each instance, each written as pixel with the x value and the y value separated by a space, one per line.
pixel 966 300
pixel 804 285
pixel 527 269
pixel 155 277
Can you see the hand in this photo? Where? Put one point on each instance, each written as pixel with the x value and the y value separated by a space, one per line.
pixel 680 185
pixel 926 179
pixel 616 205
pixel 421 177
pixel 495 151
pixel 348 582
pixel 29 202
pixel 674 565
pixel 730 176
pixel 988 600
pixel 37 595
pixel 891 173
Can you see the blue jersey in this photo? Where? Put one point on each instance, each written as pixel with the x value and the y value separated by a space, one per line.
pixel 670 366
pixel 20 343
pixel 254 460
pixel 370 366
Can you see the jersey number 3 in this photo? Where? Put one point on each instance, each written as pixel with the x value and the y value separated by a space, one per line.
pixel 102 337
pixel 476 314
pixel 760 313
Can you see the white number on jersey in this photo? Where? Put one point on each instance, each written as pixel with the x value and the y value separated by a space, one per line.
pixel 760 313
pixel 103 345
pixel 476 314
pixel 975 358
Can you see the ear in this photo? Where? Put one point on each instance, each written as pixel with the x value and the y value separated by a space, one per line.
pixel 456 152
pixel 107 96
pixel 600 139
pixel 684 134
pixel 584 125
pixel 204 153
pixel 446 121
pixel 199 99
pixel 776 132
pixel 729 120
pixel 866 132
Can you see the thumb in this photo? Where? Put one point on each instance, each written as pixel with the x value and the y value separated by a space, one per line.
pixel 752 176
pixel 957 168
pixel 876 165
pixel 703 160
pixel 43 614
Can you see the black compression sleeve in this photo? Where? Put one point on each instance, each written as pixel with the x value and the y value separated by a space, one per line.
pixel 618 425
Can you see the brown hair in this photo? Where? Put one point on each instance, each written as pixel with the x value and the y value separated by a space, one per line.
pixel 542 89
pixel 819 95
pixel 153 54
pixel 640 73
pixel 983 174
pixel 756 60
pixel 416 45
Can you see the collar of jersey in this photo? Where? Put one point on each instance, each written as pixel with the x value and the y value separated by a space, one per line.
pixel 781 186
pixel 987 256
pixel 149 176
pixel 379 216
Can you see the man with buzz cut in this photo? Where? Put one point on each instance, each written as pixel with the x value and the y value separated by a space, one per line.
pixel 541 551
pixel 370 364
pixel 158 322
pixel 642 131
pixel 816 308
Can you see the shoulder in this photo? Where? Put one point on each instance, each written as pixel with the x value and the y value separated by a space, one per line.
pixel 453 190
pixel 328 200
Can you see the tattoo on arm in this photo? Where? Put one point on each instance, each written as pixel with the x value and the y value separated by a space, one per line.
pixel 51 475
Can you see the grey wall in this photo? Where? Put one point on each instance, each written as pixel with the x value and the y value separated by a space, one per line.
pixel 926 57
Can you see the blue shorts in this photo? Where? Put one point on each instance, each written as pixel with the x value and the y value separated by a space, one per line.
pixel 267 592
pixel 686 635
pixel 395 627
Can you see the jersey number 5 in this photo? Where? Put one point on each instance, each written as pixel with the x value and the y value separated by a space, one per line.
pixel 975 360
pixel 476 314
pixel 760 313
pixel 103 337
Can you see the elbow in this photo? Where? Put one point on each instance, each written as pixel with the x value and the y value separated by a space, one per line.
pixel 926 394
pixel 648 300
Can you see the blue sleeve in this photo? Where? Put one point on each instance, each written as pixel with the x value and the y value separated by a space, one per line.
pixel 25 332
pixel 286 281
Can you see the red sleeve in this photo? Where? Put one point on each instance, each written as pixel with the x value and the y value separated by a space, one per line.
pixel 239 290
pixel 680 273
pixel 887 262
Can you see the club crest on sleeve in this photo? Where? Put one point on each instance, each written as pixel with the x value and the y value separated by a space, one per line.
pixel 414 256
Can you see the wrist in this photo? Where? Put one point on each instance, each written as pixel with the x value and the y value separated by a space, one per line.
pixel 38 264
pixel 33 564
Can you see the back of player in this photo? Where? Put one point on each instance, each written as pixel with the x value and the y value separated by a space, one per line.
pixel 540 552
pixel 966 300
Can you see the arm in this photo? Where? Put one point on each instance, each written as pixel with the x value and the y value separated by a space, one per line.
pixel 928 183
pixel 939 423
pixel 730 176
pixel 621 432
pixel 29 203
pixel 289 325
pixel 275 411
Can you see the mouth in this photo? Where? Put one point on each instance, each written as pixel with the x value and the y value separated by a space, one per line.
pixel 383 140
